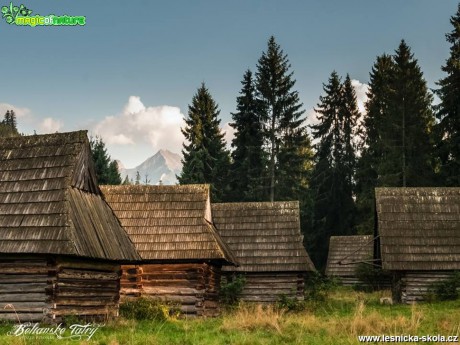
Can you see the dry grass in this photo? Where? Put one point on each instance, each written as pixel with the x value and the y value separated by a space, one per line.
pixel 250 317
pixel 337 320
pixel 363 319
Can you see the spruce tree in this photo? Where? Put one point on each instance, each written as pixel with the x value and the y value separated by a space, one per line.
pixel 106 169
pixel 282 116
pixel 407 143
pixel 449 109
pixel 248 167
pixel 398 149
pixel 350 116
pixel 8 127
pixel 332 180
pixel 205 158
pixel 377 108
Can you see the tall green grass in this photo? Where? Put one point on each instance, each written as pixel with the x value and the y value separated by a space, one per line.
pixel 338 319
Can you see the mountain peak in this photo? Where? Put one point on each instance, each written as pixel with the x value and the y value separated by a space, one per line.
pixel 163 165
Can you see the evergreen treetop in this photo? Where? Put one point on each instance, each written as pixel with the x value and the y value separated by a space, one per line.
pixel 205 158
pixel 280 111
pixel 248 157
pixel 106 169
pixel 448 111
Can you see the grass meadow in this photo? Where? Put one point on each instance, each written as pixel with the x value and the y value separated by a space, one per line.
pixel 339 319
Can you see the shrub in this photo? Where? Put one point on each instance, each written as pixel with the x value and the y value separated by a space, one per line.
pixel 447 290
pixel 145 308
pixel 231 289
pixel 371 276
pixel 318 287
pixel 290 303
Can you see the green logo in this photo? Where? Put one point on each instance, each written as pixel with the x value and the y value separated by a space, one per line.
pixel 11 12
pixel 21 16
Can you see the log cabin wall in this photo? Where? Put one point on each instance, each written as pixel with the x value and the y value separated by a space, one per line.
pixel 182 252
pixel 25 287
pixel 51 210
pixel 266 240
pixel 194 287
pixel 270 286
pixel 89 289
pixel 48 288
pixel 415 285
pixel 419 237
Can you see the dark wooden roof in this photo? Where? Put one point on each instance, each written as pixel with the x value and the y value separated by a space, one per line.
pixel 347 252
pixel 265 236
pixel 50 202
pixel 169 223
pixel 419 228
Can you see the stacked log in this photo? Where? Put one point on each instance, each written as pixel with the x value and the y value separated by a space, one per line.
pixel 25 288
pixel 193 287
pixel 48 289
pixel 269 287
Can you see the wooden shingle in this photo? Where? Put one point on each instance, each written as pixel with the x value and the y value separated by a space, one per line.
pixel 346 253
pixel 169 223
pixel 419 228
pixel 264 236
pixel 50 202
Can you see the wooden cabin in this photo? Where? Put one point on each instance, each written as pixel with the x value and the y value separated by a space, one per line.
pixel 266 240
pixel 419 237
pixel 60 243
pixel 182 253
pixel 346 253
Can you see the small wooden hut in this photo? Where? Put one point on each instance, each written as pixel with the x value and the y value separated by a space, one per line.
pixel 419 237
pixel 345 254
pixel 60 243
pixel 182 253
pixel 266 240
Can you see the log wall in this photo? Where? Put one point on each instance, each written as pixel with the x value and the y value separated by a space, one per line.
pixel 268 287
pixel 86 288
pixel 25 287
pixel 48 289
pixel 352 281
pixel 413 286
pixel 193 287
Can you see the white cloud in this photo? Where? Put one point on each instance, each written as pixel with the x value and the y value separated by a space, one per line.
pixel 361 90
pixel 20 112
pixel 50 125
pixel 28 121
pixel 229 134
pixel 311 118
pixel 141 130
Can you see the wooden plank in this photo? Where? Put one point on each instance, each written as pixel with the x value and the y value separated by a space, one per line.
pixel 82 274
pixel 21 297
pixel 30 278
pixel 24 317
pixel 90 265
pixel 171 291
pixel 24 270
pixel 23 288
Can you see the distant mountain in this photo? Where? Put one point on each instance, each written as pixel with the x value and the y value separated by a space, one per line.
pixel 163 165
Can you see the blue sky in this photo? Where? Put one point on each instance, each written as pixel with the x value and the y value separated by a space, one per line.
pixel 130 73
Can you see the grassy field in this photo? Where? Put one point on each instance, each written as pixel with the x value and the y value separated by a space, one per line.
pixel 339 320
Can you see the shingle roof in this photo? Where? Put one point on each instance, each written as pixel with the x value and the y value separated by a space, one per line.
pixel 347 252
pixel 419 228
pixel 265 236
pixel 168 222
pixel 50 202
